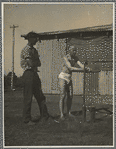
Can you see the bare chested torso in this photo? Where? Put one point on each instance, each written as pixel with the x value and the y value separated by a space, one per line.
pixel 65 69
pixel 71 60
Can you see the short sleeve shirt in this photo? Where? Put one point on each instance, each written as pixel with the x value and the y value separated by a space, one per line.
pixel 31 54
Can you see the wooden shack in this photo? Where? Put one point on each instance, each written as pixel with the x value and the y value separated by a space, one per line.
pixel 94 46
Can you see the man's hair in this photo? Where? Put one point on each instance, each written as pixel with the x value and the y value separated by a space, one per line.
pixel 70 49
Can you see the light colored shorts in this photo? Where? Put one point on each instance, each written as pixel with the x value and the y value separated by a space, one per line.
pixel 65 76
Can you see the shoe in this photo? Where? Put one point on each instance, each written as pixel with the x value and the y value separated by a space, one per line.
pixel 30 123
pixel 56 121
pixel 70 115
pixel 35 119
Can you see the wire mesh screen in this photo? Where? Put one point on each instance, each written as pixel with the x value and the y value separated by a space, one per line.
pixel 97 52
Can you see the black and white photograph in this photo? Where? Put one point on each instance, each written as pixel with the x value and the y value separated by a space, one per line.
pixel 58 74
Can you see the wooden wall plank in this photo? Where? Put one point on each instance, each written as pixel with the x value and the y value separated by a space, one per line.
pixel 51 54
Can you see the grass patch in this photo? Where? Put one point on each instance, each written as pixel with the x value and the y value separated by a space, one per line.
pixel 69 132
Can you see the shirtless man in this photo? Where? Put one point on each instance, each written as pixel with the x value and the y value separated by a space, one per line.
pixel 65 79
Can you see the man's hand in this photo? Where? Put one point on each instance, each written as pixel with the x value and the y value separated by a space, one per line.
pixel 88 69
pixel 29 62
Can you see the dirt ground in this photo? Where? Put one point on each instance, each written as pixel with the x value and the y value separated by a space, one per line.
pixel 71 132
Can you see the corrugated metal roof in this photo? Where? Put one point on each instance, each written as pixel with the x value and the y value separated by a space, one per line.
pixel 73 32
pixel 108 27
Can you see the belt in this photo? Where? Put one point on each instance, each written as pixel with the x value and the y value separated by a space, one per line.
pixel 32 70
pixel 29 70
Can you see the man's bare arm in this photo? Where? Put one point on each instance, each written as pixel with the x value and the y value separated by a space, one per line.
pixel 69 65
pixel 82 66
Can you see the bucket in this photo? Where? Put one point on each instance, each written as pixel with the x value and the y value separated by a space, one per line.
pixel 92 113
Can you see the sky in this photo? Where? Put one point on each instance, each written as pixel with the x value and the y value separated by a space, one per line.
pixel 46 18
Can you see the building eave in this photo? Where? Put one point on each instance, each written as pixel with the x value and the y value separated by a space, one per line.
pixel 77 33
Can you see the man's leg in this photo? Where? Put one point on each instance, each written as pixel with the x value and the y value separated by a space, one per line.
pixel 37 91
pixel 62 84
pixel 28 82
pixel 69 97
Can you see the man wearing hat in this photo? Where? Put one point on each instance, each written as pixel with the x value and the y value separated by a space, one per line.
pixel 32 83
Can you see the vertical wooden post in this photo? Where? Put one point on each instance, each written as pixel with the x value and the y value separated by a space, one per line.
pixel 84 107
pixel 66 45
pixel 84 87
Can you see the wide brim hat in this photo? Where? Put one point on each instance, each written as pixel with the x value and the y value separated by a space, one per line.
pixel 30 35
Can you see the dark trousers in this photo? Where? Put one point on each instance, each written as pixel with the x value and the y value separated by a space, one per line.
pixel 32 86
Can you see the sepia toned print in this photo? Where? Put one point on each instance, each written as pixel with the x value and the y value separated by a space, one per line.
pixel 58 74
